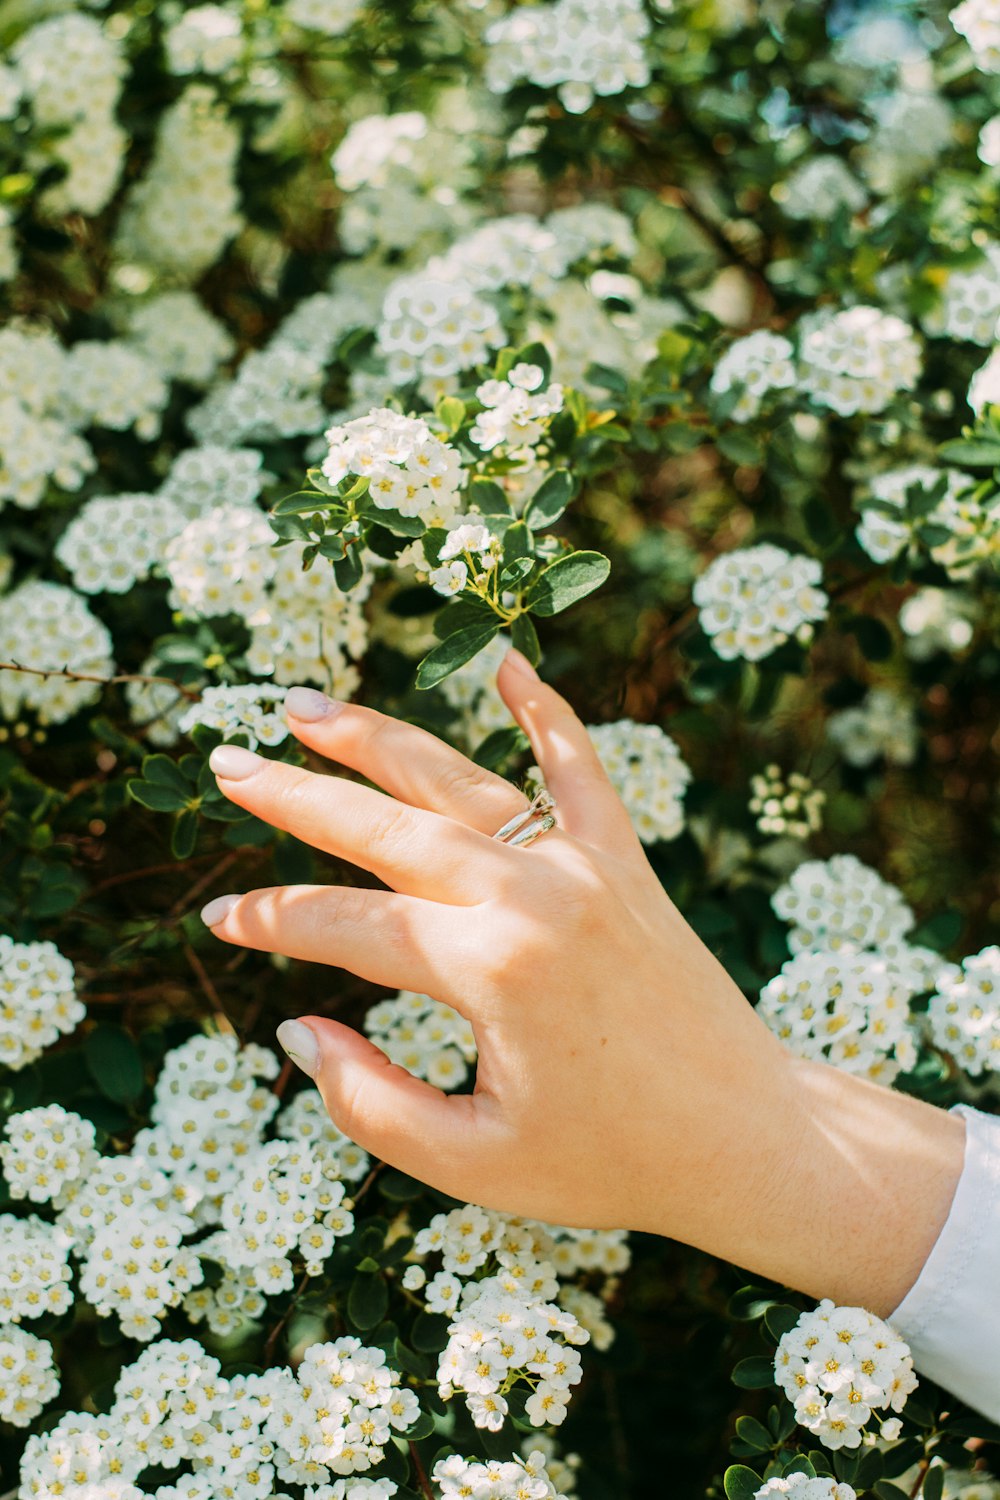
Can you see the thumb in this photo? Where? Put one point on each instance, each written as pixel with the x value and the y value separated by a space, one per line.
pixel 588 805
pixel 400 1119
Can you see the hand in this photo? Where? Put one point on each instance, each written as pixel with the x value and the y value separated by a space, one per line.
pixel 623 1080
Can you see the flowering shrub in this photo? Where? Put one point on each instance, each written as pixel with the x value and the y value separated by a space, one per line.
pixel 659 339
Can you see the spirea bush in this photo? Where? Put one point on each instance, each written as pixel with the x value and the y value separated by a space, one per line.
pixel 346 342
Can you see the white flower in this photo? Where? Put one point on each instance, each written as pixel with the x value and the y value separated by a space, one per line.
pixel 969 302
pixel 984 387
pixel 937 620
pixel 802 1487
pixel 429 1039
pixel 252 711
pixel 466 538
pixel 432 327
pixel 181 338
pixel 34 1270
pixel 964 1015
pixel 451 579
pixel 752 600
pixel 857 360
pixel 114 542
pixel 979 22
pixel 47 1153
pixel 837 1366
pixel 989 143
pixel 110 384
pixel 840 900
pixel 28 1377
pixel 38 1001
pixel 789 807
pixel 409 469
pixel 819 188
pixel 883 725
pixel 752 366
pixel 578 47
pixel 206 39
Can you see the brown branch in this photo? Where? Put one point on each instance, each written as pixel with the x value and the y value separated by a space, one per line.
pixel 185 902
pixel 211 993
pixel 275 1334
pixel 125 876
pixel 362 1190
pixel 422 1480
pixel 918 1483
pixel 15 666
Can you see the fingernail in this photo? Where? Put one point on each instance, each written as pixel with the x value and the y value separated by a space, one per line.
pixel 308 705
pixel 233 763
pixel 301 1045
pixel 520 664
pixel 216 911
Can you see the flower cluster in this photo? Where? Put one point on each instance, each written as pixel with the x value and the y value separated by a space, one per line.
pixel 38 1000
pixel 882 726
pixel 180 337
pixel 203 479
pixel 786 806
pixel 429 1039
pixel 751 367
pixel 964 530
pixel 840 901
pixel 647 771
pixel 408 468
pixel 28 1377
pixel 114 542
pixel 185 209
pixel 516 411
pixel 858 359
pixel 578 47
pixel 110 384
pixel 205 39
pixel 839 1366
pixel 48 1152
pixel 805 1487
pixel 252 712
pixel 978 22
pixel 937 620
pixel 751 601
pixel 970 303
pixel 433 328
pixel 34 1273
pixel 850 1009
pixel 275 393
pixel 964 1014
pixel 509 1479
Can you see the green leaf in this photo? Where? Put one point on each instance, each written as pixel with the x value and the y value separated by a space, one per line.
pixel 306 502
pixel 462 614
pixel 157 798
pixel 550 499
pixel 781 1319
pixel 185 834
pixel 525 637
pixel 886 1491
pixel 754 1374
pixel 741 1483
pixel 515 572
pixel 971 453
pixel 113 1062
pixel 740 449
pixel 430 1332
pixel 516 543
pixel 453 652
pixel 451 410
pixel 488 498
pixel 500 746
pixel 422 1428
pixel 754 1434
pixel 566 580
pixel 872 636
pixel 349 569
pixel 399 1188
pixel 166 772
pixel 367 1301
pixel 395 521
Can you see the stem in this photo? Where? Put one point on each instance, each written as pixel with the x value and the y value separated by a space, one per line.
pixel 918 1483
pixel 15 666
pixel 422 1480
pixel 282 1322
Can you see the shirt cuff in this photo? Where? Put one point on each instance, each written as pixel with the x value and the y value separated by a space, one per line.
pixel 951 1316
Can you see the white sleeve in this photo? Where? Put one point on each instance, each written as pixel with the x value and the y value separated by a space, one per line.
pixel 951 1316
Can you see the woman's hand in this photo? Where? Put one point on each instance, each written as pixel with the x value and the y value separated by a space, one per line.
pixel 623 1080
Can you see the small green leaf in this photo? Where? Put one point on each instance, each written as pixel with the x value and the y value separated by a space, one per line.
pixel 306 502
pixel 399 1188
pixel 367 1301
pixel 516 543
pixel 349 569
pixel 740 449
pixel 453 652
pixel 157 798
pixel 741 1483
pixel 873 637
pixel 566 580
pixel 488 498
pixel 395 521
pixel 166 772
pixel 185 834
pixel 781 1319
pixel 886 1491
pixel 516 572
pixel 971 453
pixel 525 637
pixel 550 499
pixel 451 410
pixel 500 746
pixel 430 1332
pixel 113 1062
pixel 422 1428
pixel 754 1434
pixel 754 1374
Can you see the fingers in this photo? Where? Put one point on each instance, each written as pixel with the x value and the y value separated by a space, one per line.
pixel 438 1138
pixel 410 764
pixel 588 805
pixel 410 849
pixel 393 941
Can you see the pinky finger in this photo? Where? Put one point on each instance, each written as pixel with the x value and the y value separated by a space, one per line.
pixel 392 940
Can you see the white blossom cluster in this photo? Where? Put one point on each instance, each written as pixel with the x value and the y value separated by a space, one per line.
pixel 135 1265
pixel 185 209
pixel 202 479
pixel 515 1478
pixel 205 39
pixel 114 542
pixel 839 1367
pixel 754 599
pixel 431 327
pixel 937 620
pixel 841 901
pixel 38 443
pixel 969 303
pixel 578 47
pixel 469 551
pixel 329 17
pixel 884 530
pixel 786 806
pixel 47 1153
pixel 844 1007
pixel 179 336
pixel 805 1487
pixel 857 360
pixel 38 1000
pixel 307 629
pixel 647 771
pixel 517 411
pixel 253 712
pixel 428 1038
pixel 964 1014
pixel 70 69
pixel 28 1377
pixel 306 1119
pixel 34 1270
pixel 753 366
pixel 221 563
pixel 409 469
pixel 274 394
pixel 979 23
pixel 820 188
pixel 882 726
pixel 107 383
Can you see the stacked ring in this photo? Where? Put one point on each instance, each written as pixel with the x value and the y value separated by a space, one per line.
pixel 525 827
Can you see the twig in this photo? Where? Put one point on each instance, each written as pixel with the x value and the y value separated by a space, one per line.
pixel 362 1190
pixel 281 1082
pixel 918 1483
pixel 124 876
pixel 211 993
pixel 274 1335
pixel 189 897
pixel 422 1480
pixel 16 666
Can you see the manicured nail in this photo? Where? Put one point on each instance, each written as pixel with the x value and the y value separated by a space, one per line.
pixel 216 911
pixel 308 705
pixel 301 1045
pixel 233 763
pixel 520 664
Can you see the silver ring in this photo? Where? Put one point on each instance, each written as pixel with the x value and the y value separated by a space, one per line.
pixel 526 826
